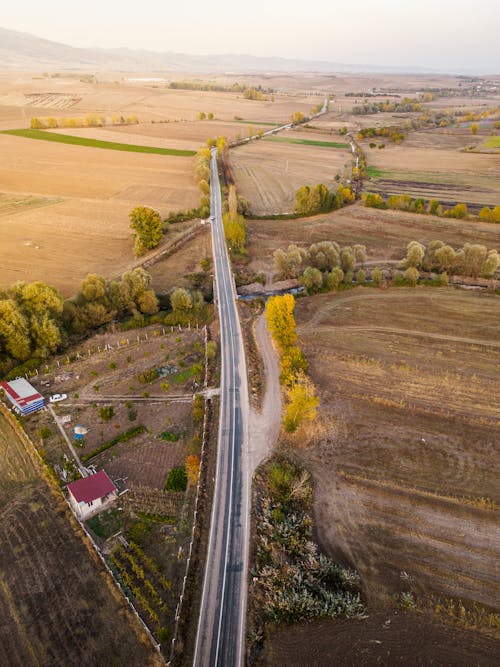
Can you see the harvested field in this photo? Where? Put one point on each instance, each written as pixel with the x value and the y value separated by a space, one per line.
pixel 268 173
pixel 385 638
pixel 385 233
pixel 404 462
pixel 87 229
pixel 434 164
pixel 58 605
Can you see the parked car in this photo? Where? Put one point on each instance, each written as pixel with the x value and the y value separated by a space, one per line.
pixel 55 398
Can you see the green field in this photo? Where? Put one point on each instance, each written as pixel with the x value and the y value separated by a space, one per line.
pixel 374 172
pixel 96 143
pixel 491 142
pixel 256 122
pixel 308 142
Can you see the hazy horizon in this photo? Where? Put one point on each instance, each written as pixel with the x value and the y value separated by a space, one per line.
pixel 445 36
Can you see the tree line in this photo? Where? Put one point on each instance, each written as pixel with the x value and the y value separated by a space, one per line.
pixel 472 259
pixel 403 202
pixel 313 199
pixel 324 265
pixel 90 120
pixel 301 399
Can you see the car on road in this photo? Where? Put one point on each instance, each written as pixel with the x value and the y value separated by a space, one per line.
pixel 212 218
pixel 55 398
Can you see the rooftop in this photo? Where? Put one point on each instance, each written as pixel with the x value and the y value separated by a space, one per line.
pixel 21 391
pixel 91 488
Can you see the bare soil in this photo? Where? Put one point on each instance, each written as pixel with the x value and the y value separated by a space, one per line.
pixel 384 638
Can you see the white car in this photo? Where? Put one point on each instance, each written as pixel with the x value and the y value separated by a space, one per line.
pixel 55 398
pixel 212 218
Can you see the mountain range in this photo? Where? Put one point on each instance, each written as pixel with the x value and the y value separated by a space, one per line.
pixel 20 50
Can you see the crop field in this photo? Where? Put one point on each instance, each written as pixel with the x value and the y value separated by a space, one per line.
pixel 58 605
pixel 433 164
pixel 87 194
pixel 384 233
pixel 268 173
pixel 61 138
pixel 404 462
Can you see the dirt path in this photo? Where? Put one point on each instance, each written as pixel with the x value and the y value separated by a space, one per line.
pixel 265 425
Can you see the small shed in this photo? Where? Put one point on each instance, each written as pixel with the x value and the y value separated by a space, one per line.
pixel 91 494
pixel 23 396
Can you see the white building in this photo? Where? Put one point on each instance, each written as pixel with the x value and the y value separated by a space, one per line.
pixel 91 494
pixel 23 396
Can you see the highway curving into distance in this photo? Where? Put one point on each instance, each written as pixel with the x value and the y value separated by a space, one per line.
pixel 220 637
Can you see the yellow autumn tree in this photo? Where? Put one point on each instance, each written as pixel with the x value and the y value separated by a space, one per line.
pixel 281 320
pixel 302 403
pixel 192 468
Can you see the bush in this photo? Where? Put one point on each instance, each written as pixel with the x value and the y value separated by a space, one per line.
pixel 176 479
pixel 123 437
pixel 107 412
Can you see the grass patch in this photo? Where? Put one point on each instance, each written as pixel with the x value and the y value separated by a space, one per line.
pixel 171 436
pixel 373 172
pixel 96 143
pixel 491 142
pixel 308 142
pixel 122 437
pixel 257 122
pixel 106 524
pixel 156 518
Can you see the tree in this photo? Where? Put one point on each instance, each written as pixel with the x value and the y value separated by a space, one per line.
pixel 415 254
pixel 181 300
pixel 334 278
pixel 288 263
pixel 302 404
pixel 201 115
pixel 210 116
pixel 292 363
pixel 361 277
pixel 148 228
pixel 491 264
pixel 281 321
pixel 474 128
pixel 14 331
pixel 377 276
pixel 471 259
pixel 192 468
pixel 347 259
pixel 359 253
pixel 36 124
pixel 297 118
pixel 446 258
pixel 411 276
pixel 312 279
pixel 324 255
pixel 235 232
pixel 204 186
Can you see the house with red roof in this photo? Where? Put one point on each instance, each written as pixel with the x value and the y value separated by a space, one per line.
pixel 91 494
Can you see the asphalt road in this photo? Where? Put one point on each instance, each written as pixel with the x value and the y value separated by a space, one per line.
pixel 220 638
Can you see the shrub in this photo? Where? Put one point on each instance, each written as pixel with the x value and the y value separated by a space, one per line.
pixel 107 412
pixel 176 479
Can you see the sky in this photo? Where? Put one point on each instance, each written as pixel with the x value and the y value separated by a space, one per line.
pixel 439 34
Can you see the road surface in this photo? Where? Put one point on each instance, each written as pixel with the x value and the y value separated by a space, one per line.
pixel 220 638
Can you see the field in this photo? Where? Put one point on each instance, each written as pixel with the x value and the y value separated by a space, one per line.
pixel 433 164
pixel 269 172
pixel 86 193
pixel 406 380
pixel 385 233
pixel 60 138
pixel 404 465
pixel 58 605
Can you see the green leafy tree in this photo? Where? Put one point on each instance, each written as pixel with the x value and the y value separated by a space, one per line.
pixel 334 278
pixel 411 276
pixel 147 228
pixel 181 300
pixel 377 276
pixel 289 263
pixel 324 255
pixel 415 254
pixel 312 279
